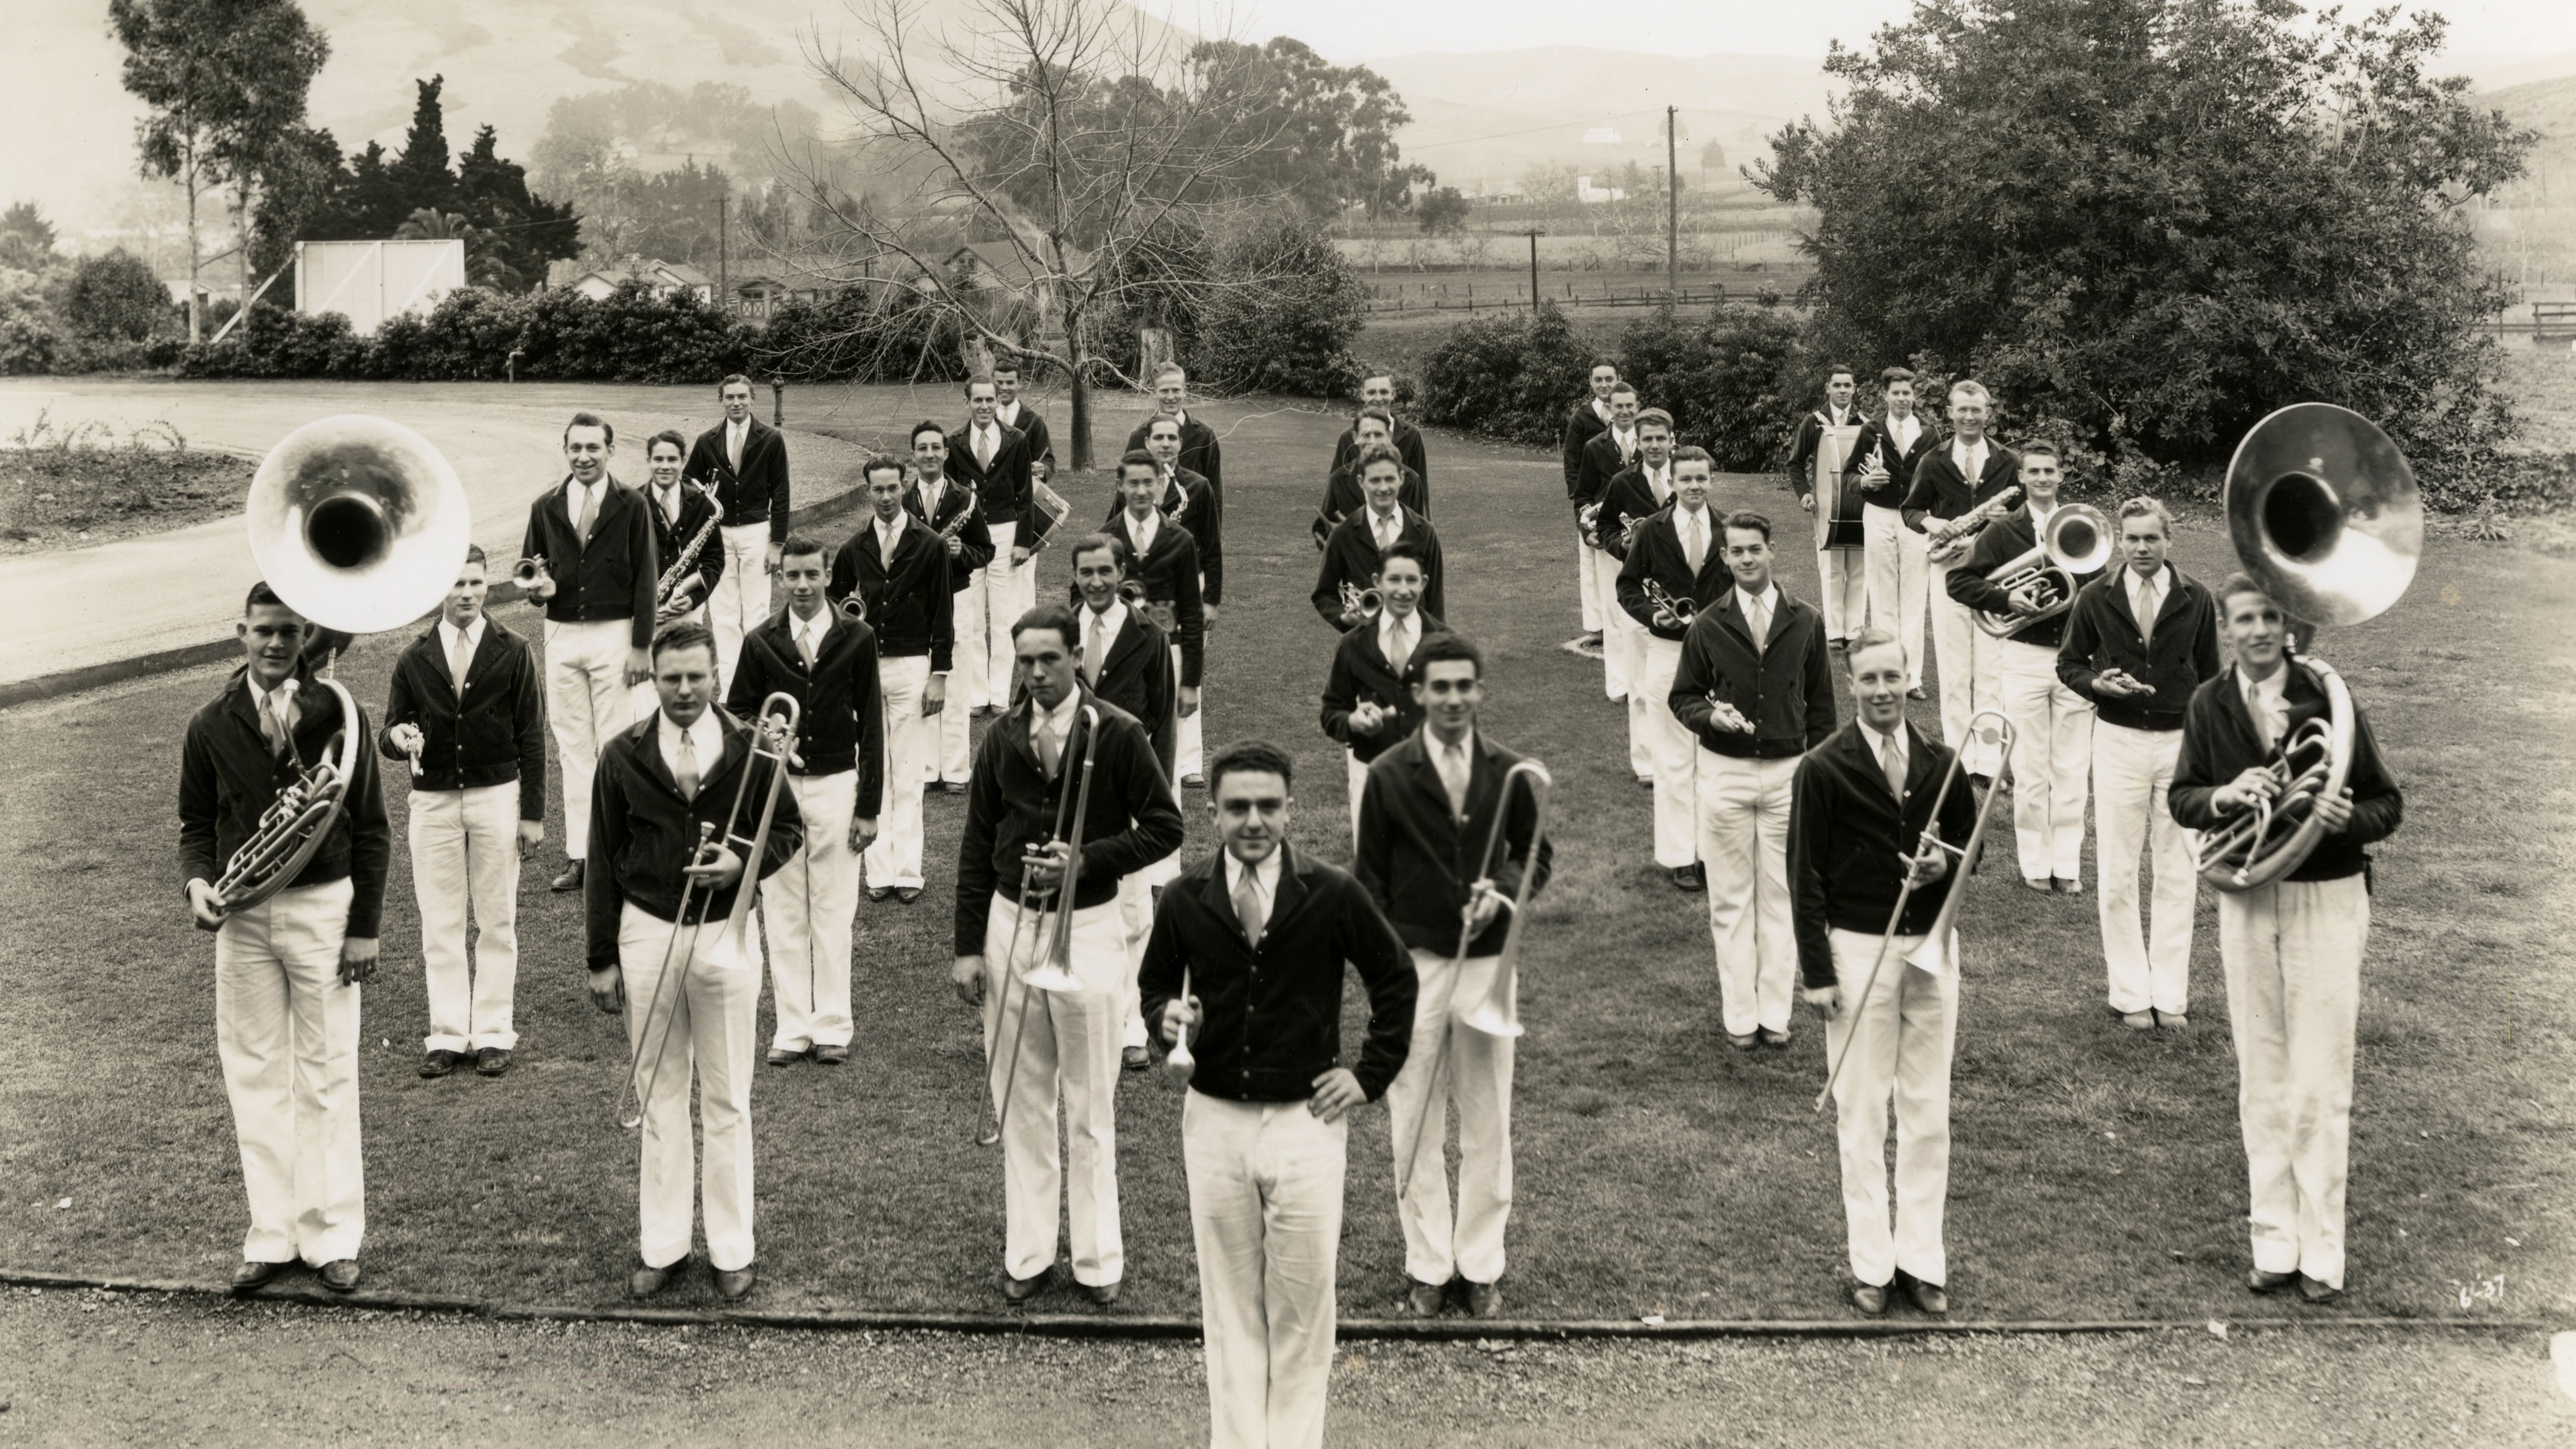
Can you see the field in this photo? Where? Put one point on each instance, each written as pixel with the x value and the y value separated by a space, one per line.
pixel 2097 1173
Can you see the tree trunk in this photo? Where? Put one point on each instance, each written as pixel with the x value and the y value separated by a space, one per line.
pixel 194 319
pixel 1081 420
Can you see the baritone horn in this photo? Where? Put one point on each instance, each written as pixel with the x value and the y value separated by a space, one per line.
pixel 2325 515
pixel 2076 542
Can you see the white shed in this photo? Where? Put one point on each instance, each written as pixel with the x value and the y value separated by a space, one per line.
pixel 373 280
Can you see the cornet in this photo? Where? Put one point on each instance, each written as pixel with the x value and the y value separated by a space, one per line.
pixel 1358 603
pixel 530 572
pixel 2078 541
pixel 853 609
pixel 1680 611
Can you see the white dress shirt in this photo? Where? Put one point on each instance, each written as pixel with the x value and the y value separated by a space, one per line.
pixel 2146 595
pixel 1901 433
pixel 1265 879
pixel 2268 701
pixel 808 633
pixel 1388 621
pixel 1106 622
pixel 1386 527
pixel 1879 745
pixel 447 637
pixel 1759 610
pixel 1142 532
pixel 987 442
pixel 1056 724
pixel 1659 481
pixel 706 737
pixel 1971 458
pixel 1008 414
pixel 737 436
pixel 1687 519
pixel 888 534
pixel 575 494
pixel 667 500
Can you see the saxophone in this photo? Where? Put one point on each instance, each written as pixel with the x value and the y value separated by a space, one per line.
pixel 965 515
pixel 1969 524
pixel 682 566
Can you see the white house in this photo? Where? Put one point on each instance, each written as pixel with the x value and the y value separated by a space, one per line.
pixel 1591 195
pixel 662 279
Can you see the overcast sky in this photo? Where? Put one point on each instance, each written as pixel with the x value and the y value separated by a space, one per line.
pixel 1349 30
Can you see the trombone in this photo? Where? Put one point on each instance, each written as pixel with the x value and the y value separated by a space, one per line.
pixel 1498 1013
pixel 1054 970
pixel 2078 541
pixel 1680 611
pixel 773 734
pixel 1937 939
pixel 1325 522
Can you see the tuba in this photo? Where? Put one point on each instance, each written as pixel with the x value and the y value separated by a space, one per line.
pixel 358 524
pixel 2078 541
pixel 2325 515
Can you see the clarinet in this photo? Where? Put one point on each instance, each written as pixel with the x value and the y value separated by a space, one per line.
pixel 687 561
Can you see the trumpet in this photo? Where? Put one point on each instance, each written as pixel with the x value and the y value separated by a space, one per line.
pixel 2078 541
pixel 1973 522
pixel 1360 604
pixel 853 609
pixel 1054 970
pixel 1680 611
pixel 530 572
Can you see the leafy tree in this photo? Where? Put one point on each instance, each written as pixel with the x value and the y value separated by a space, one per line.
pixel 1712 157
pixel 115 298
pixel 26 238
pixel 1324 135
pixel 1443 212
pixel 304 198
pixel 225 81
pixel 2157 220
pixel 1291 330
pixel 421 172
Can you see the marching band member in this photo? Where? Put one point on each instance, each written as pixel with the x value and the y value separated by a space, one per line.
pixel 1259 933
pixel 660 783
pixel 1680 549
pixel 287 970
pixel 1359 542
pixel 1166 562
pixel 467 704
pixel 2292 949
pixel 1200 451
pixel 595 536
pixel 1638 492
pixel 1342 492
pixel 1838 564
pixel 838 778
pixel 1125 658
pixel 1611 452
pixel 1582 425
pixel 1369 706
pixel 1055 1040
pixel 1864 802
pixel 678 512
pixel 745 461
pixel 2138 642
pixel 1756 685
pixel 1950 482
pixel 994 460
pixel 1427 810
pixel 1013 413
pixel 900 573
pixel 955 517
pixel 1890 447
pixel 1202 516
pixel 1377 390
pixel 2053 739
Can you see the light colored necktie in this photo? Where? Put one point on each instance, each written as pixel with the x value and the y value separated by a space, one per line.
pixel 887 538
pixel 1048 750
pixel 1399 647
pixel 2269 721
pixel 1692 548
pixel 1758 615
pixel 581 525
pixel 734 439
pixel 1248 907
pixel 2150 597
pixel 1386 531
pixel 274 725
pixel 805 646
pixel 1454 775
pixel 983 449
pixel 1891 761
pixel 1093 649
pixel 458 661
pixel 1663 489
pixel 686 776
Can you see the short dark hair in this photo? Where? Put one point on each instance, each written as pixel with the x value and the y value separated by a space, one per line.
pixel 1889 377
pixel 1599 363
pixel 798 545
pixel 608 430
pixel 1444 648
pixel 1870 637
pixel 729 379
pixel 1048 616
pixel 474 553
pixel 1374 373
pixel 1249 757
pixel 1002 365
pixel 1691 453
pixel 1137 458
pixel 1379 413
pixel 672 436
pixel 684 634
pixel 1840 369
pixel 1623 385
pixel 1748 520
pixel 880 463
pixel 1401 549
pixel 1093 543
pixel 2042 446
pixel 262 594
pixel 1159 418
pixel 1377 453
pixel 924 426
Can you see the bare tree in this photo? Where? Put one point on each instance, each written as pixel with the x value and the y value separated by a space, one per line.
pixel 1073 140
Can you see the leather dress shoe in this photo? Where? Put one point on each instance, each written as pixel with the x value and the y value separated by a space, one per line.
pixel 1742 1043
pixel 253 1274
pixel 2067 887
pixel 831 1056
pixel 492 1062
pixel 1869 1298
pixel 783 1057
pixel 1135 1059
pixel 1483 1300
pixel 440 1062
pixel 340 1275
pixel 1774 1039
pixel 1424 1300
pixel 2138 1020
pixel 1194 782
pixel 2317 1291
pixel 878 893
pixel 734 1284
pixel 2262 1281
pixel 1929 1298
pixel 1103 1294
pixel 2039 884
pixel 907 895
pixel 1916 693
pixel 570 880
pixel 1016 1291
pixel 952 787
pixel 2173 1021
pixel 648 1280
pixel 1690 878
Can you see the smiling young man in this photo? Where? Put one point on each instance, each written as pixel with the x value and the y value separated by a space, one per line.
pixel 662 785
pixel 1756 685
pixel 1582 425
pixel 1839 569
pixel 1343 492
pixel 1359 544
pixel 1863 806
pixel 287 970
pixel 955 518
pixel 828 665
pixel 1369 706
pixel 1189 501
pixel 1200 451
pixel 467 704
pixel 1953 479
pixel 2292 949
pixel 1428 808
pixel 1257 935
pixel 745 461
pixel 1165 559
pixel 994 460
pixel 2139 641
pixel 1680 549
pixel 1640 491
pixel 680 512
pixel 1890 447
pixel 1377 390
pixel 899 572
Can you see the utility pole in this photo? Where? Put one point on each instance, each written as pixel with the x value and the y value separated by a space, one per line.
pixel 1672 205
pixel 1534 235
pixel 724 279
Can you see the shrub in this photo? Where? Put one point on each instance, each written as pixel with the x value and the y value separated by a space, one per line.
pixel 115 298
pixel 1282 317
pixel 1733 381
pixel 28 338
pixel 1512 375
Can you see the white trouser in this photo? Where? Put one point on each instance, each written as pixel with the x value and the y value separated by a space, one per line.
pixel 587 702
pixel 286 1032
pixel 1587 559
pixel 1968 661
pixel 1008 593
pixel 972 676
pixel 2051 758
pixel 1843 578
pixel 810 906
pixel 950 756
pixel 895 859
pixel 1900 1042
pixel 465 845
pixel 2132 770
pixel 1266 1210
pixel 741 600
pixel 1626 638
pixel 1068 1040
pixel 1603 581
pixel 1673 751
pixel 1189 732
pixel 703 1025
pixel 1475 1074
pixel 1896 569
pixel 1357 774
pixel 1744 842
pixel 1136 914
pixel 2292 953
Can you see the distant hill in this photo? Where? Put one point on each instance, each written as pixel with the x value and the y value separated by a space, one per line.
pixel 2549 107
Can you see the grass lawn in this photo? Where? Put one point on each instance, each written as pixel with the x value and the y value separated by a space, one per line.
pixel 2096 1173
